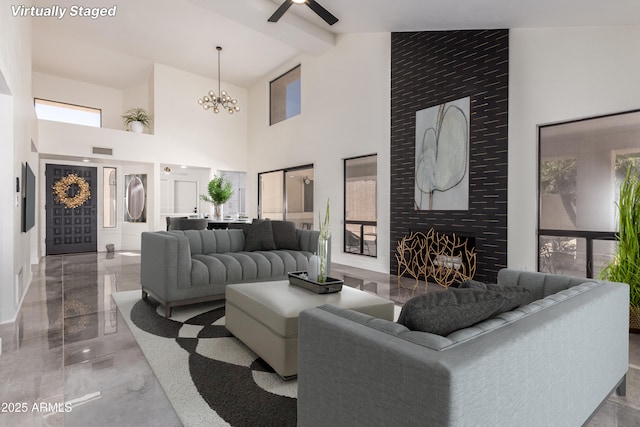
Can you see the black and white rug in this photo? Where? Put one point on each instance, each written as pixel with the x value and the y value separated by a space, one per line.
pixel 210 377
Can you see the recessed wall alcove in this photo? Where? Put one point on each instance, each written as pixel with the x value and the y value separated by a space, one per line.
pixel 433 68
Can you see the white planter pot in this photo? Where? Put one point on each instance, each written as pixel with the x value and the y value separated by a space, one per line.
pixel 137 127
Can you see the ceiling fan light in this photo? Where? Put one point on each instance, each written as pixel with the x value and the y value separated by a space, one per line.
pixel 299 1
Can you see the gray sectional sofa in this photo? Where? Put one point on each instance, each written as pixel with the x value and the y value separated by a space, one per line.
pixel 185 267
pixel 550 362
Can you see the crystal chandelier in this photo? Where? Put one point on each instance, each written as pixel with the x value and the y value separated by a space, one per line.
pixel 222 101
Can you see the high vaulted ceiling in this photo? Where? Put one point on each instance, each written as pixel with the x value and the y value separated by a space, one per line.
pixel 119 51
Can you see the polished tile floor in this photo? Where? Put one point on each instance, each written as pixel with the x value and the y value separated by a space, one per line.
pixel 70 359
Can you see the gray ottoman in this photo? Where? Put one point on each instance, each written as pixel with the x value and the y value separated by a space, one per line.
pixel 264 316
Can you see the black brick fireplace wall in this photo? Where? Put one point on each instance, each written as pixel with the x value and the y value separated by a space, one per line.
pixel 431 68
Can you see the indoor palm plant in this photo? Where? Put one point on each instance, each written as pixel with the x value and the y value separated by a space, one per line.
pixel 137 119
pixel 625 266
pixel 220 190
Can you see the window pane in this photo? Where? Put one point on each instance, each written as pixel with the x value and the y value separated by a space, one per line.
pixel 68 113
pixel 563 255
pixel 352 238
pixel 271 196
pixel 558 194
pixel 361 182
pixel 285 96
pixel 602 254
pixel 360 187
pixel 300 197
pixel 581 166
pixel 370 240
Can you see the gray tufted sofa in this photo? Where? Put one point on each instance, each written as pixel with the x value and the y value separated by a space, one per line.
pixel 550 362
pixel 185 267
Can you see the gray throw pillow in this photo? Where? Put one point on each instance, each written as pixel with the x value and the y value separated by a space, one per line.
pixel 472 284
pixel 284 235
pixel 258 236
pixel 519 295
pixel 443 312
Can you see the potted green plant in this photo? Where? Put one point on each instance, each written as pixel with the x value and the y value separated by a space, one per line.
pixel 136 119
pixel 625 266
pixel 220 190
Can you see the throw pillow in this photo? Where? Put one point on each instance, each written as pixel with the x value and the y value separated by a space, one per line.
pixel 284 235
pixel 473 284
pixel 518 296
pixel 258 236
pixel 443 312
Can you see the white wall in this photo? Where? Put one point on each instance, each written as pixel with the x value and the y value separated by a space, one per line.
pixel 189 134
pixel 345 113
pixel 17 130
pixel 59 89
pixel 559 74
pixel 183 134
pixel 137 97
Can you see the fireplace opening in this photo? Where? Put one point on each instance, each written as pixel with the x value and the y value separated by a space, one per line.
pixel 445 258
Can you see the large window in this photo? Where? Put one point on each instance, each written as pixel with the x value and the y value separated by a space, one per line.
pixel 285 96
pixel 360 205
pixel 287 194
pixel 68 113
pixel 581 166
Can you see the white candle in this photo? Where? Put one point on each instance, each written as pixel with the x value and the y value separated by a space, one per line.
pixel 314 266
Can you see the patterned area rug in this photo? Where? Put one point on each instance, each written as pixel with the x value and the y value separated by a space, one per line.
pixel 210 377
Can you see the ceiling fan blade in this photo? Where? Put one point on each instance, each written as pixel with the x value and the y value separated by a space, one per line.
pixel 322 12
pixel 280 11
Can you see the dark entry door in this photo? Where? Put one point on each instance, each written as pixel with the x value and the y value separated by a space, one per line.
pixel 71 209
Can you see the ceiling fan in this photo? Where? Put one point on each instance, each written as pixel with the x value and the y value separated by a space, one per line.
pixel 314 5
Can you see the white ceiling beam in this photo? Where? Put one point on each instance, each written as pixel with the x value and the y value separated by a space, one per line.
pixel 290 29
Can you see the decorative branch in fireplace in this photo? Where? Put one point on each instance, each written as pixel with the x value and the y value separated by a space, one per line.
pixel 445 258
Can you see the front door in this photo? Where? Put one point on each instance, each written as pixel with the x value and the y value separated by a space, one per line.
pixel 71 209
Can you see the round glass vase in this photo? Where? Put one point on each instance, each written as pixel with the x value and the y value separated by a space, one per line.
pixel 323 252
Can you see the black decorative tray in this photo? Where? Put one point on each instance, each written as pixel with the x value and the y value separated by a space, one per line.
pixel 300 278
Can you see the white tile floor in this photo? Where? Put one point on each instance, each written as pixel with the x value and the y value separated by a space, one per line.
pixel 70 344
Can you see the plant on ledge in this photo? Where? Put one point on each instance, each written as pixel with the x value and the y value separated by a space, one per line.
pixel 220 190
pixel 137 118
pixel 625 266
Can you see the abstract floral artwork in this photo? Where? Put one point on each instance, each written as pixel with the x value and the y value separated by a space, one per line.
pixel 442 156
